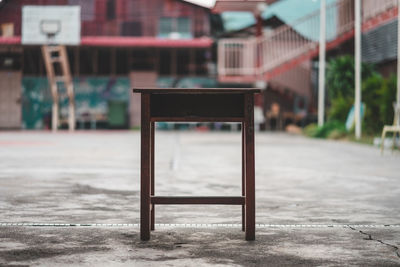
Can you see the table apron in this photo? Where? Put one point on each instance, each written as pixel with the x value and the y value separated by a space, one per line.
pixel 206 106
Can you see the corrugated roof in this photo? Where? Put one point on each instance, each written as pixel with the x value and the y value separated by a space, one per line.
pixel 287 10
pixel 380 44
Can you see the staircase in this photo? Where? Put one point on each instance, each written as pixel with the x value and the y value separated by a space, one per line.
pixel 246 60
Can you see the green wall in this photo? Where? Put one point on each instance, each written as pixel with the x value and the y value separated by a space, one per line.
pixel 92 95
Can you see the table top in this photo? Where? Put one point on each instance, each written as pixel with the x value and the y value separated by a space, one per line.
pixel 197 90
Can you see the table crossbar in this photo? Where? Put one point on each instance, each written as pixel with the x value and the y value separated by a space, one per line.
pixel 180 200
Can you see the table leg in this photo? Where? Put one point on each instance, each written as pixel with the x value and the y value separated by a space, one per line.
pixel 249 176
pixel 152 174
pixel 243 176
pixel 145 169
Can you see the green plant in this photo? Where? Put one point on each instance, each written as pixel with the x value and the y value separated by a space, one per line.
pixel 372 97
pixel 378 95
pixel 331 129
pixel 388 96
pixel 339 108
pixel 310 130
pixel 340 76
pixel 328 127
pixel 337 134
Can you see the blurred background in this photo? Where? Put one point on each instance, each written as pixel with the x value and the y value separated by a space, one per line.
pixel 115 45
pixel 70 131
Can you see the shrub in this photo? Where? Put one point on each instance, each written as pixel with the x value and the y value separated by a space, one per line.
pixel 388 96
pixel 310 130
pixel 337 134
pixel 378 94
pixel 372 97
pixel 340 76
pixel 331 129
pixel 339 108
pixel 328 127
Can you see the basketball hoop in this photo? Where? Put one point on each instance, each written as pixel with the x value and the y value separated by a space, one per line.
pixel 50 28
pixel 51 25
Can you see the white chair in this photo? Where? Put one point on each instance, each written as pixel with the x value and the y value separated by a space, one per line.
pixel 395 128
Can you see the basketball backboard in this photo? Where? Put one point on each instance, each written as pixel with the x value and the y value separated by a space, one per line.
pixel 43 25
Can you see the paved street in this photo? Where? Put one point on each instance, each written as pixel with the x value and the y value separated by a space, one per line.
pixel 318 202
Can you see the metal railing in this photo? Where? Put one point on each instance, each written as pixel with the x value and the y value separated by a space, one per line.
pixel 237 52
pixel 256 56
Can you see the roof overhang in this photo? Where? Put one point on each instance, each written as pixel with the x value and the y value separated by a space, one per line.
pixel 15 40
pixel 203 42
pixel 114 41
pixel 253 6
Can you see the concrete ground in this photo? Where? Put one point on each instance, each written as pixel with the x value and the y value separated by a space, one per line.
pixel 319 203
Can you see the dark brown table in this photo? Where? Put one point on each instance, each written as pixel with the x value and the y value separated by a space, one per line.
pixel 196 105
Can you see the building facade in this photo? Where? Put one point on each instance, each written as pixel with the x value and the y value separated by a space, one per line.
pixel 157 43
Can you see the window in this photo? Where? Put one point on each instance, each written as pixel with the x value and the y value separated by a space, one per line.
pixel 165 27
pixel 87 60
pixel 183 60
pixel 110 9
pixel 175 28
pixel 10 61
pixel 32 62
pixel 165 62
pixel 183 26
pixel 122 57
pixel 142 59
pixel 104 61
pixel 132 28
pixel 87 8
pixel 201 62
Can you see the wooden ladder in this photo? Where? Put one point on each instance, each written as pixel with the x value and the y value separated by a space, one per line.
pixel 57 54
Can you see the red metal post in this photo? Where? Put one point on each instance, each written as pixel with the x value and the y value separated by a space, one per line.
pixel 250 179
pixel 145 169
pixel 243 175
pixel 152 174
pixel 259 25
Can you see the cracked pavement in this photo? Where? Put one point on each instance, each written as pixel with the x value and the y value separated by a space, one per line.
pixel 93 177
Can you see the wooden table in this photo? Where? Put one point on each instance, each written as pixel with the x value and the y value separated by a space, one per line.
pixel 196 105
